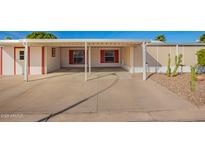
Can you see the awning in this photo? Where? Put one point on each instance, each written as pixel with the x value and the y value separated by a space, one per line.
pixel 73 42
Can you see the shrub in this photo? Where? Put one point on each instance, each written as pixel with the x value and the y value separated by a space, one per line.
pixel 193 79
pixel 178 60
pixel 201 57
pixel 168 66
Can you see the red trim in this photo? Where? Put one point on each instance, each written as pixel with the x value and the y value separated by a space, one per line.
pixel 43 60
pixel 15 60
pixel 116 56
pixel 1 63
pixel 71 61
pixel 29 60
pixel 102 56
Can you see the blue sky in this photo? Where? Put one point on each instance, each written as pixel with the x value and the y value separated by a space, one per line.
pixel 172 36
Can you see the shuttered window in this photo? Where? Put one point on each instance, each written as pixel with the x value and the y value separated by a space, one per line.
pixel 76 57
pixel 109 56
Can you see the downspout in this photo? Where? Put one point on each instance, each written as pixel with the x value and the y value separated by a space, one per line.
pixel 144 60
pixel 177 49
pixel 86 77
pixel 1 60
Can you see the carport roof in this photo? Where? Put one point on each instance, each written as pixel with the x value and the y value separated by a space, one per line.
pixel 72 42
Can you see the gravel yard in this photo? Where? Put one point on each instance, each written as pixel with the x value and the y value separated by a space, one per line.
pixel 181 86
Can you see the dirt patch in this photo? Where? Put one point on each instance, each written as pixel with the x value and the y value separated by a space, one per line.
pixel 181 86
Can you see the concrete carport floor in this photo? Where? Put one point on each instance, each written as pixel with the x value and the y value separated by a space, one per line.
pixel 119 92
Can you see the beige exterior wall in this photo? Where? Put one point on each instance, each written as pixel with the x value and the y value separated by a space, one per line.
pixel 35 60
pixel 53 63
pixel 8 60
pixel 95 58
pixel 138 56
pixel 126 56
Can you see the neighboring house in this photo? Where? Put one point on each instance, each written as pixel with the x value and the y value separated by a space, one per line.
pixel 41 56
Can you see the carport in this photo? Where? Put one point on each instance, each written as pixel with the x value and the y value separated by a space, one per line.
pixel 86 44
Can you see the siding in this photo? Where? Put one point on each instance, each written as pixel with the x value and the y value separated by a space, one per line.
pixel 8 60
pixel 126 56
pixel 53 63
pixel 138 56
pixel 36 60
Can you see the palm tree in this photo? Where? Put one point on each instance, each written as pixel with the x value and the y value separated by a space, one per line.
pixel 161 38
pixel 41 35
pixel 202 38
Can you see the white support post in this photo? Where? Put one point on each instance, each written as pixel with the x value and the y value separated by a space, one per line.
pixel 89 60
pixel 157 59
pixel 26 62
pixel 177 49
pixel 132 59
pixel 183 55
pixel 144 60
pixel 86 61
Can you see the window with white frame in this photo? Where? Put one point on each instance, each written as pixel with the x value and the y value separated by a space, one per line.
pixel 21 55
pixel 109 56
pixel 78 57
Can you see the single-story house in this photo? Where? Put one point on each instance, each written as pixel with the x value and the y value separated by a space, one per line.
pixel 41 56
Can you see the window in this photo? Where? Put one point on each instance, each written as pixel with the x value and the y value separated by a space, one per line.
pixel 78 57
pixel 21 55
pixel 53 52
pixel 109 56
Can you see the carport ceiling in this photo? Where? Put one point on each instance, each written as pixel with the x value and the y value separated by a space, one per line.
pixel 73 42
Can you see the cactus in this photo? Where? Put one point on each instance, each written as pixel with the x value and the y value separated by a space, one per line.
pixel 178 60
pixel 193 79
pixel 168 66
pixel 175 60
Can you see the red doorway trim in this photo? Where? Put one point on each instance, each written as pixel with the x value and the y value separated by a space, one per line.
pixel 1 63
pixel 15 60
pixel 43 60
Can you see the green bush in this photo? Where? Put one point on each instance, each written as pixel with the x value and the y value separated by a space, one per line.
pixel 193 78
pixel 168 66
pixel 178 60
pixel 201 57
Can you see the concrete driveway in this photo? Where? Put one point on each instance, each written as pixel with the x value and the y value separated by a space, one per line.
pixel 108 91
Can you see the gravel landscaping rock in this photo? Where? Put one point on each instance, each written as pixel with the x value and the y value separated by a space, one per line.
pixel 181 86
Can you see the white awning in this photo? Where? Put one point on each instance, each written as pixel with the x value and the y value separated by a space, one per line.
pixel 72 42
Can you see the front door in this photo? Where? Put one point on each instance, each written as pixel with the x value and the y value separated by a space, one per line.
pixel 19 61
